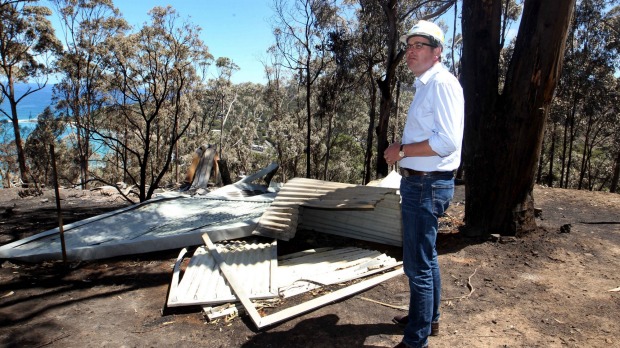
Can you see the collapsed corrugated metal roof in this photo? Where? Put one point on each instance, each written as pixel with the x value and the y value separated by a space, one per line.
pixel 202 282
pixel 157 224
pixel 283 216
pixel 238 286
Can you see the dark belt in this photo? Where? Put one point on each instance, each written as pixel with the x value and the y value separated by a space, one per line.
pixel 406 172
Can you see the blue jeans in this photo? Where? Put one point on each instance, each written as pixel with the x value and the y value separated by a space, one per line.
pixel 424 200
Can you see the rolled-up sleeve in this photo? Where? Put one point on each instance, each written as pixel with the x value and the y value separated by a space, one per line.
pixel 447 131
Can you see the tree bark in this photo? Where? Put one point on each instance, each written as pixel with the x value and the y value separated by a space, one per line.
pixel 503 132
pixel 371 126
pixel 551 156
pixel 21 156
pixel 386 86
pixel 614 180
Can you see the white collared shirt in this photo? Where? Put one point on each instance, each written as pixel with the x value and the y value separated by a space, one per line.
pixel 437 113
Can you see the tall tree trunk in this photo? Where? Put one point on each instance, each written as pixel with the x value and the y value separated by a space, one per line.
pixel 328 142
pixel 385 110
pixel 564 151
pixel 503 133
pixel 540 163
pixel 551 156
pixel 585 155
pixel 386 86
pixel 19 146
pixel 616 176
pixel 371 126
pixel 21 155
pixel 569 156
pixel 309 117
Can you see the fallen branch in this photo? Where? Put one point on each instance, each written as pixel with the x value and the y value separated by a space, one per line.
pixel 11 293
pixel 54 340
pixel 384 304
pixel 471 289
pixel 155 328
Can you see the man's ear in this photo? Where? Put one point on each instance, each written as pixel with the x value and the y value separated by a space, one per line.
pixel 437 51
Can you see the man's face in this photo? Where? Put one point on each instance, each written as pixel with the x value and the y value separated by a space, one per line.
pixel 421 56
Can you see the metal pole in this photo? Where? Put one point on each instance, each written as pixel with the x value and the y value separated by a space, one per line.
pixel 58 209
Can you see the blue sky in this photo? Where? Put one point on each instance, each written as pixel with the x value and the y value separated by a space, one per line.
pixel 238 29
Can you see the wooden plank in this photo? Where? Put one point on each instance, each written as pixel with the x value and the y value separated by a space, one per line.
pixel 235 284
pixel 326 299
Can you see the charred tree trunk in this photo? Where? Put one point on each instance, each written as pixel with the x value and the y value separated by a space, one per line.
pixel 503 133
pixel 21 155
pixel 371 126
pixel 616 175
pixel 386 86
pixel 19 146
pixel 551 157
pixel 385 108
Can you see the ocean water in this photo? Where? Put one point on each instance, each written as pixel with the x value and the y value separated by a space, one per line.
pixel 31 106
pixel 27 112
pixel 28 109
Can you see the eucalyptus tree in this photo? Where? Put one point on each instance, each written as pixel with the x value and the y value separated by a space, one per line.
pixel 612 22
pixel 26 42
pixel 340 108
pixel 585 99
pixel 599 128
pixel 284 117
pixel 224 94
pixel 504 128
pixel 88 26
pixel 47 132
pixel 369 53
pixel 246 123
pixel 158 73
pixel 301 28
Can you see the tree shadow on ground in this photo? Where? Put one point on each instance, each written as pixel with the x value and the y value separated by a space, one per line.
pixel 323 332
pixel 41 288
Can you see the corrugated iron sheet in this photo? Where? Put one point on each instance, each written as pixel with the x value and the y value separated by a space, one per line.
pixel 264 276
pixel 203 283
pixel 281 219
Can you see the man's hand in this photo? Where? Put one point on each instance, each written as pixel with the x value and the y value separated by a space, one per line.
pixel 391 153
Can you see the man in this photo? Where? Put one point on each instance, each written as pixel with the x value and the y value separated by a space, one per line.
pixel 429 154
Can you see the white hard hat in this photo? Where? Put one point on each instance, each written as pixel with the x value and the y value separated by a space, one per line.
pixel 426 29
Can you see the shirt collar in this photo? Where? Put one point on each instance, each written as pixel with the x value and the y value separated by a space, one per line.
pixel 428 74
